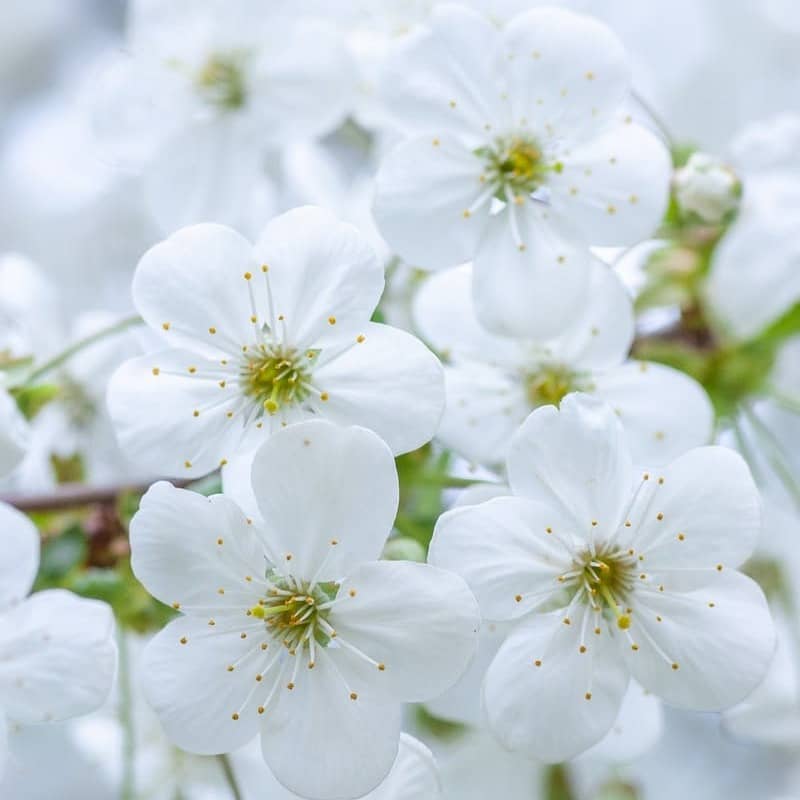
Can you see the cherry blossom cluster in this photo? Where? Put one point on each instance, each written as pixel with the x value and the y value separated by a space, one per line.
pixel 434 434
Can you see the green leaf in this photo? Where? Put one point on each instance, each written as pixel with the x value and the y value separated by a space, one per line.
pixel 61 555
pixel 435 726
pixel 32 399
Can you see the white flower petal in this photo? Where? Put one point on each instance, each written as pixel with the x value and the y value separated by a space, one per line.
pixel 379 380
pixel 622 181
pixel 194 282
pixel 663 410
pixel 324 745
pixel 507 549
pixel 713 643
pixel 543 710
pixel 602 333
pixel 445 317
pixel 299 82
pixel 485 406
pixel 14 433
pixel 419 622
pixel 324 276
pixel 204 706
pixel 462 701
pixel 747 299
pixel 328 496
pixel 705 512
pixel 443 80
pixel 186 547
pixel 479 493
pixel 207 170
pixel 569 70
pixel 19 556
pixel 152 400
pixel 636 729
pixel 575 459
pixel 414 775
pixel 238 485
pixel 423 189
pixel 59 657
pixel 3 743
pixel 528 281
pixel 771 713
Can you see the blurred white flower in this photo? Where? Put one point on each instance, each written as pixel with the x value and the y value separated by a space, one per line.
pixel 57 651
pixel 494 382
pixel 706 186
pixel 414 776
pixel 755 269
pixel 766 431
pixel 609 580
pixel 295 631
pixel 213 85
pixel 521 157
pixel 264 336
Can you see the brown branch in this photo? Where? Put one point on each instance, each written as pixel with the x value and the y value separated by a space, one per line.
pixel 75 495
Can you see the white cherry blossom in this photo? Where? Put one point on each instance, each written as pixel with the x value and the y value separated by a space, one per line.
pixel 57 651
pixel 609 575
pixel 754 276
pixel 493 382
pixel 294 630
pixel 212 87
pixel 519 156
pixel 261 336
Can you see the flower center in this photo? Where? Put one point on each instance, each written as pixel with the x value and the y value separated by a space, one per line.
pixel 296 612
pixel 515 165
pixel 607 577
pixel 276 376
pixel 221 81
pixel 549 384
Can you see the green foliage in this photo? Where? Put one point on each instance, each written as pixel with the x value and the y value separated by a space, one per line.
pixel 61 555
pixel 32 399
pixel 435 726
pixel 133 607
pixel 423 477
pixel 556 784
pixel 68 469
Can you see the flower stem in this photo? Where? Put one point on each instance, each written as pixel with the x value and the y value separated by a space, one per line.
pixel 230 778
pixel 82 344
pixel 557 785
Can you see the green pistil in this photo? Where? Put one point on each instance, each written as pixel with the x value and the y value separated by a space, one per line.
pixel 550 384
pixel 221 81
pixel 609 579
pixel 516 164
pixel 295 612
pixel 276 377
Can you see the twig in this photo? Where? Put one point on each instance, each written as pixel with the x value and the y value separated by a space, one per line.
pixel 65 355
pixel 76 495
